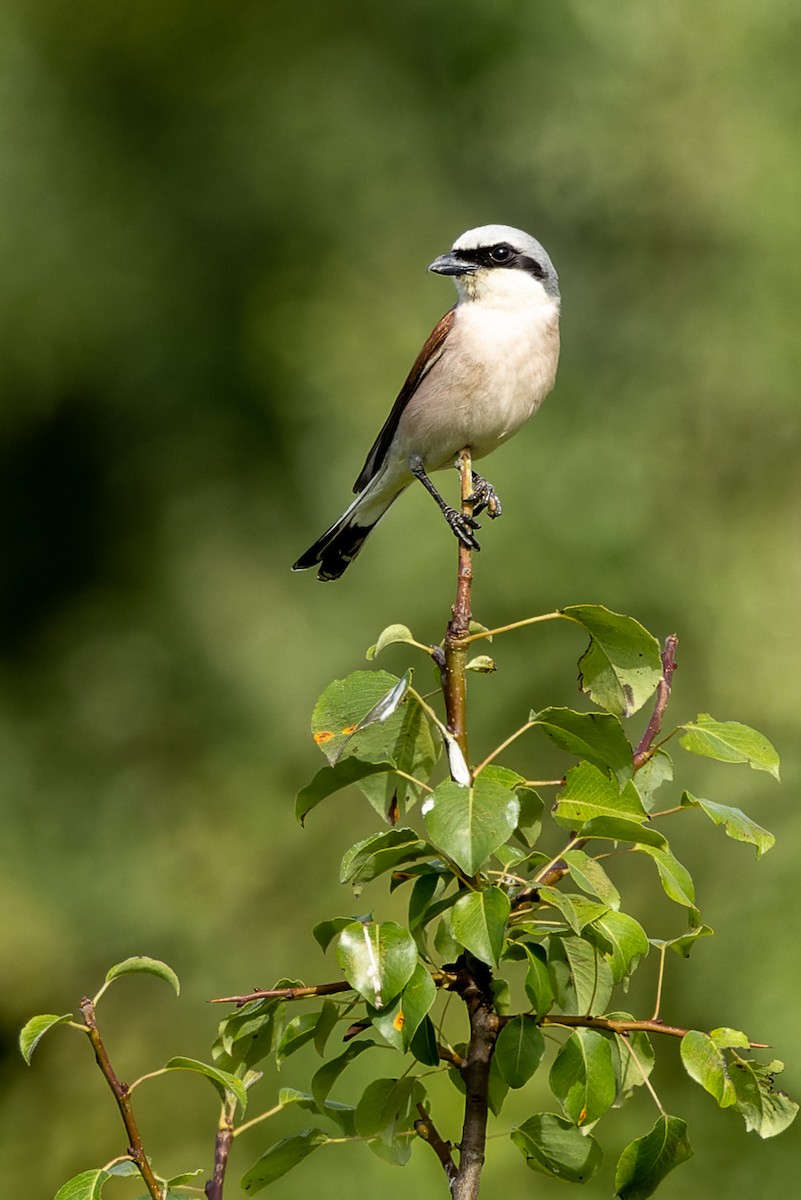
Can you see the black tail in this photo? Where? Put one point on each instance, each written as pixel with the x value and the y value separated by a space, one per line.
pixel 335 550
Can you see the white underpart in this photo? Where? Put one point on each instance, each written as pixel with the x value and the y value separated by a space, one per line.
pixel 496 367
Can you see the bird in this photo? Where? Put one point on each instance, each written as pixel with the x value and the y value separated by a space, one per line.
pixel 486 367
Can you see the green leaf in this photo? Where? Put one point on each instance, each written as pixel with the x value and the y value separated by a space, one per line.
pixel 577 910
pixel 140 964
pixel 355 717
pixel 704 1063
pixel 424 1044
pixel 626 943
pixel 554 1146
pixel 381 852
pixel 646 1161
pixel 676 880
pixel 729 741
pixel 297 1033
pixel 590 875
pixel 622 666
pixel 725 1038
pixel 86 1186
pixel 519 1050
pixel 247 1035
pixel 324 932
pixel 582 1077
pixel 630 1072
pixel 330 1072
pixel 478 921
pixel 619 829
pixel 280 1158
pixel 658 769
pixel 223 1081
pixel 332 779
pixel 399 1021
pixel 34 1030
pixel 389 637
pixel 329 1015
pixel 538 981
pixel 183 1179
pixel 482 663
pixel 378 960
pixel 589 794
pixel 596 737
pixel 386 1107
pixel 342 1114
pixel 765 1110
pixel 683 945
pixel 471 823
pixel 735 823
pixel 580 976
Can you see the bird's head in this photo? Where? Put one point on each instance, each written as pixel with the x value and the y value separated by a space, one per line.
pixel 497 262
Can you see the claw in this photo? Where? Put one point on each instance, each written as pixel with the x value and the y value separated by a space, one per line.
pixel 462 526
pixel 485 496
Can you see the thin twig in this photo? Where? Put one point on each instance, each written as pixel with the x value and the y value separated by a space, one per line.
pixel 427 1130
pixel 622 1027
pixel 120 1092
pixel 646 748
pixel 287 993
pixel 452 671
pixel 489 633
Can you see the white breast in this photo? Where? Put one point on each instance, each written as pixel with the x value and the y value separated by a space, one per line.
pixel 497 366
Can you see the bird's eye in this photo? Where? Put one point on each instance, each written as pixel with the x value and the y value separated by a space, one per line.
pixel 501 254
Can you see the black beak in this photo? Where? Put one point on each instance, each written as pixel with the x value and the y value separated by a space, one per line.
pixel 452 264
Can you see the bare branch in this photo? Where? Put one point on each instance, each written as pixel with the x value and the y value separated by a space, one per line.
pixel 121 1094
pixel 287 993
pixel 643 751
pixel 427 1130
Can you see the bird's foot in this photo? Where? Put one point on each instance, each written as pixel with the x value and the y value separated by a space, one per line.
pixel 462 526
pixel 485 496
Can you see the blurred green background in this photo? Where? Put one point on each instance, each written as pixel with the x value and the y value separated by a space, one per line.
pixel 215 221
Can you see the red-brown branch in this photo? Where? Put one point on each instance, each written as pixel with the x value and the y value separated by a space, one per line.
pixel 643 751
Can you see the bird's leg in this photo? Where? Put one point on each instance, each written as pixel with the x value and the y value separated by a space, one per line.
pixel 485 496
pixel 461 525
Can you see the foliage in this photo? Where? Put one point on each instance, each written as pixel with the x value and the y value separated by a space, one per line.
pixel 513 907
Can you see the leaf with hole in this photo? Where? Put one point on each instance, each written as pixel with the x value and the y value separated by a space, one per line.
pixel 622 666
pixel 765 1109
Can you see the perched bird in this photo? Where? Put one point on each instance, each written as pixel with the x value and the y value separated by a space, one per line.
pixel 485 369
